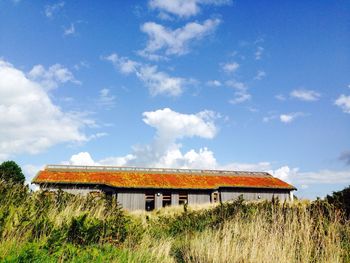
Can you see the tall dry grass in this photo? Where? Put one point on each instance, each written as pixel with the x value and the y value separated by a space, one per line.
pixel 295 237
pixel 36 227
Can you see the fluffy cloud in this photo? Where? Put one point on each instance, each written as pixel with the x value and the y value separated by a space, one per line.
pixel 69 30
pixel 30 122
pixel 230 67
pixel 324 177
pixel 105 99
pixel 158 82
pixel 214 83
pixel 269 118
pixel 123 64
pixel 295 176
pixel 30 172
pixel 241 91
pixel 164 151
pixel 261 166
pixel 259 52
pixel 183 8
pixel 51 10
pixel 171 124
pixel 290 117
pixel 284 173
pixel 280 97
pixel 53 76
pixel 344 103
pixel 260 75
pixel 174 42
pixel 305 95
pixel 82 158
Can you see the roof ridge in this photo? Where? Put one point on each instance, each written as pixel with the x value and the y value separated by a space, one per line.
pixel 146 169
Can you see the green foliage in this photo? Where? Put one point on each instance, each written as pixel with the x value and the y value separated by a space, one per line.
pixel 341 200
pixel 11 172
pixel 60 227
pixel 36 252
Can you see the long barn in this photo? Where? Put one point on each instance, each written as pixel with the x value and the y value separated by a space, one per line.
pixel 153 188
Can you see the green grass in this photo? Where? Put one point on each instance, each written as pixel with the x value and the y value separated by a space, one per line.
pixel 42 227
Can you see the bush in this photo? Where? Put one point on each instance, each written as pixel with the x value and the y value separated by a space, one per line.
pixel 11 172
pixel 60 227
pixel 341 200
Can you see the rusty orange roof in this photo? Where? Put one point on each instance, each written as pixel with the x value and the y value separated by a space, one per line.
pixel 121 177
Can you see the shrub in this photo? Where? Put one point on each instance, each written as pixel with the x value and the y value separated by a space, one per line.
pixel 11 172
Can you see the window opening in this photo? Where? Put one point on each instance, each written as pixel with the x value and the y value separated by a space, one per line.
pixel 183 198
pixel 149 204
pixel 215 197
pixel 166 199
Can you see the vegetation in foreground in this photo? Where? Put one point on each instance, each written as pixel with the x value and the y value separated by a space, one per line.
pixel 43 227
pixel 58 227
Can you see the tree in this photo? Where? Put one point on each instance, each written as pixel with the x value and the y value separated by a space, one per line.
pixel 341 199
pixel 11 172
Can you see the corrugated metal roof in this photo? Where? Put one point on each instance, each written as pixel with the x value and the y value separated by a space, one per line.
pixel 122 177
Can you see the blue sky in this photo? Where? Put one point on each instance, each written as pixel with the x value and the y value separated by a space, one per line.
pixel 218 84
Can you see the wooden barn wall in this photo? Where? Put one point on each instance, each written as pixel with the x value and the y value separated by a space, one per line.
pixel 132 200
pixel 72 189
pixel 198 198
pixel 174 198
pixel 158 201
pixel 253 194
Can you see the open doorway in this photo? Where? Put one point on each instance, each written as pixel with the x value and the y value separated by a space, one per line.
pixel 149 204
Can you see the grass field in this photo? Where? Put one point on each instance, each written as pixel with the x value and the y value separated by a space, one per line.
pixel 37 227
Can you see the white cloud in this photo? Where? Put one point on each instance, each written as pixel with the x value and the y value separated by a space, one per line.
pixel 240 97
pixel 290 117
pixel 214 83
pixel 284 173
pixel 30 172
pixel 69 30
pixel 170 124
pixel 183 8
pixel 230 67
pixel 323 177
pixel 261 166
pixel 164 151
pixel 174 42
pixel 260 75
pixel 105 99
pixel 344 103
pixel 269 118
pixel 117 161
pixel 51 10
pixel 305 95
pixel 81 64
pixel 241 92
pixel 123 64
pixel 52 77
pixel 259 52
pixel 280 97
pixel 158 82
pixel 30 122
pixel 82 158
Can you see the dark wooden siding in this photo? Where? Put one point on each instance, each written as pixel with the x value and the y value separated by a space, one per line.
pixel 134 199
pixel 131 200
pixel 253 194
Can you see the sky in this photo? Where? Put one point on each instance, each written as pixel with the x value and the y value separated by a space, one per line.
pixel 207 84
